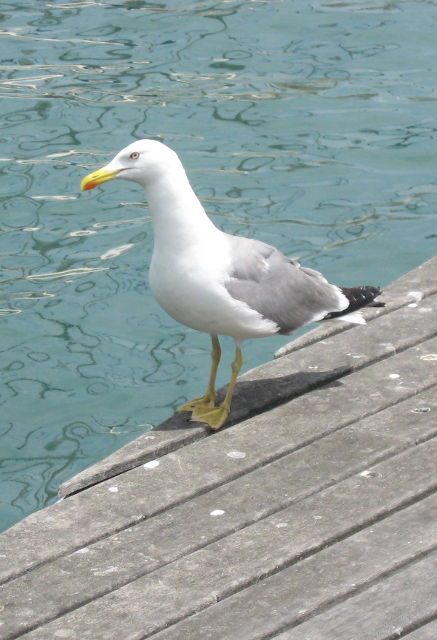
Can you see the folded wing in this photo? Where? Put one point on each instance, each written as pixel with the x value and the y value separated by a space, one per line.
pixel 279 288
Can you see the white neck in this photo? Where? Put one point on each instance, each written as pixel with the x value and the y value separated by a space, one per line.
pixel 178 217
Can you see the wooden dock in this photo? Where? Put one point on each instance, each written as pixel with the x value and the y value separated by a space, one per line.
pixel 313 517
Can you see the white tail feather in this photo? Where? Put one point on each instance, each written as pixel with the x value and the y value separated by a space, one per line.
pixel 356 317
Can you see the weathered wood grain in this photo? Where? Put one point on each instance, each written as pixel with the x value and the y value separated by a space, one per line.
pixel 199 580
pixel 319 581
pixel 142 492
pixel 387 609
pixel 428 631
pixel 314 519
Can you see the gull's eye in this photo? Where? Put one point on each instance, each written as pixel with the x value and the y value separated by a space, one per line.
pixel 134 155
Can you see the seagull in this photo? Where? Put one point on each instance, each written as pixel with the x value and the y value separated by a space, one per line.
pixel 218 283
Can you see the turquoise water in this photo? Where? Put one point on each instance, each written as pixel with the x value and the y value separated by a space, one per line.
pixel 309 125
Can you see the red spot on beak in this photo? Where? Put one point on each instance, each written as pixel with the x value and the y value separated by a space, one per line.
pixel 90 185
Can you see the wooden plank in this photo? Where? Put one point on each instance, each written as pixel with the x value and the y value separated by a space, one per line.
pixel 387 609
pixel 311 585
pixel 196 582
pixel 99 512
pixel 74 580
pixel 425 632
pixel 279 381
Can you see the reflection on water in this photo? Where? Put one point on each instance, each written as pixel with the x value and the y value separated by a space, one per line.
pixel 308 125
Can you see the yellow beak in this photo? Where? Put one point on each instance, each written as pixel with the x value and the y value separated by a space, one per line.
pixel 95 178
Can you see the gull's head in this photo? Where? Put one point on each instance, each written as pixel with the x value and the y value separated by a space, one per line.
pixel 142 161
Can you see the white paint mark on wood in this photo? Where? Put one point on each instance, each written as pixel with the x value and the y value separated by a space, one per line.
pixel 416 295
pixel 368 473
pixel 152 464
pixel 236 454
pixel 104 572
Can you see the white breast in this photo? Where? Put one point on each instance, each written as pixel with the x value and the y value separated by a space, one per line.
pixel 189 285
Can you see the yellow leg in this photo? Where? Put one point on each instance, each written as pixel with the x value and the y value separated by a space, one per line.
pixel 207 401
pixel 215 417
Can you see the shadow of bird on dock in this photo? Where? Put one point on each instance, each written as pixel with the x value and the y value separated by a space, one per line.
pixel 253 397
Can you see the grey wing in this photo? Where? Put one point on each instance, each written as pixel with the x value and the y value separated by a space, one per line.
pixel 279 288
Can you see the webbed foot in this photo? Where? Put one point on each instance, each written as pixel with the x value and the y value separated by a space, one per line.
pixel 214 417
pixel 202 404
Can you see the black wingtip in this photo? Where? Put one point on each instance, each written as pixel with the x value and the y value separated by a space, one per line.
pixel 359 297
